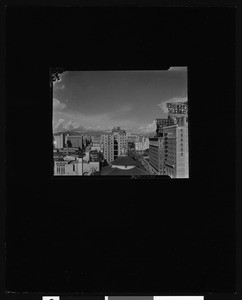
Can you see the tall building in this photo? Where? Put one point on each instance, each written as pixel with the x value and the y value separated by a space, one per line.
pixel 76 140
pixel 176 162
pixel 96 143
pixel 142 145
pixel 131 147
pixel 157 154
pixel 114 144
pixel 160 123
pixel 168 150
pixel 133 137
pixel 60 140
pixel 95 155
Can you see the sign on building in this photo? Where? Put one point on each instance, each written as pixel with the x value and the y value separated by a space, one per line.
pixel 177 109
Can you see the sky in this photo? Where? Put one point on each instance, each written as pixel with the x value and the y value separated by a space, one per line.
pixel 101 100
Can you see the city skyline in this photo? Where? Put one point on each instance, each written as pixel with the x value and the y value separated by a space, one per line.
pixel 101 100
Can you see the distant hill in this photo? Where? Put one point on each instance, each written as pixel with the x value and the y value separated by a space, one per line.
pixel 99 132
pixel 85 132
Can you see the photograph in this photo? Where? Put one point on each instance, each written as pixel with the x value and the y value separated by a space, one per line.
pixel 112 123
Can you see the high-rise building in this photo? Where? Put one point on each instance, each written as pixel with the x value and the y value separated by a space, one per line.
pixel 156 154
pixel 76 140
pixel 96 143
pixel 60 140
pixel 160 123
pixel 176 162
pixel 133 137
pixel 168 150
pixel 114 144
pixel 142 145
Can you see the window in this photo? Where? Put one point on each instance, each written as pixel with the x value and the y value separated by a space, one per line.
pixel 181 149
pixel 181 154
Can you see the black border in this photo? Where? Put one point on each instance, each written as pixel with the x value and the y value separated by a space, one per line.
pixel 198 3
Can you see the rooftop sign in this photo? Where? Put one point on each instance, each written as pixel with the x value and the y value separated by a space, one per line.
pixel 177 109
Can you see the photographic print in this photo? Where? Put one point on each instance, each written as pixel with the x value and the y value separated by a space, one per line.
pixel 112 123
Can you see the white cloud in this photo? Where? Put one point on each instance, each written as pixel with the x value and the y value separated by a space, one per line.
pixel 65 125
pixel 163 107
pixel 57 105
pixel 148 128
pixel 58 123
pixel 124 108
pixel 100 121
pixel 71 125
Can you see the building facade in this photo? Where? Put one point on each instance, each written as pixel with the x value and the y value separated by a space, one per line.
pixel 114 144
pixel 68 167
pixel 168 150
pixel 142 145
pixel 76 141
pixel 160 123
pixel 176 162
pixel 73 166
pixel 156 155
pixel 132 137
pixel 96 143
pixel 59 140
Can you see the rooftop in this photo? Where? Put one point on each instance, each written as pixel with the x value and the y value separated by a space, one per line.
pixel 124 161
pixel 115 171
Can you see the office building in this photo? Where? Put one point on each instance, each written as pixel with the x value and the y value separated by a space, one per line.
pixel 94 155
pixel 59 140
pixel 132 137
pixel 96 143
pixel 75 141
pixel 131 147
pixel 176 162
pixel 168 150
pixel 114 144
pixel 160 123
pixel 156 155
pixel 142 145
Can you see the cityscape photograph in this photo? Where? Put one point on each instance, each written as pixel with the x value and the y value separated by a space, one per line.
pixel 128 123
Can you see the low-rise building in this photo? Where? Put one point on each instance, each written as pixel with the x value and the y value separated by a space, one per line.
pixel 68 167
pixel 124 165
pixel 75 166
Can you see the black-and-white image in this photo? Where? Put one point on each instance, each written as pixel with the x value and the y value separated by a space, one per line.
pixel 111 123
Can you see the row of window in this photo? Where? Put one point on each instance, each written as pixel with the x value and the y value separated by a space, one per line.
pixel 60 170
